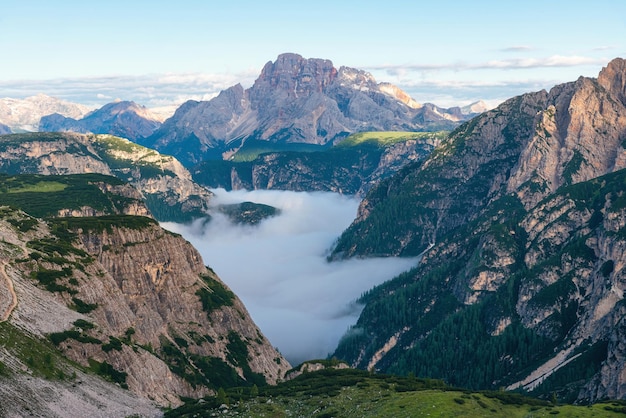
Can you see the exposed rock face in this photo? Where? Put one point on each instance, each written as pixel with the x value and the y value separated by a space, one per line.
pixel 161 179
pixel 347 170
pixel 124 119
pixel 520 213
pixel 125 293
pixel 294 100
pixel 24 114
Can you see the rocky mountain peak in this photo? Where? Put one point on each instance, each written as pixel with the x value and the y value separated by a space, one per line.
pixel 296 76
pixel 613 78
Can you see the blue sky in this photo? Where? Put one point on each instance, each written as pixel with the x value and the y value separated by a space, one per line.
pixel 163 52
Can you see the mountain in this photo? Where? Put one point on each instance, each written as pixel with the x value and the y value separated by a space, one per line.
pixel 121 118
pixel 294 100
pixel 109 293
pixel 4 129
pixel 475 108
pixel 24 114
pixel 520 217
pixel 165 184
pixel 352 166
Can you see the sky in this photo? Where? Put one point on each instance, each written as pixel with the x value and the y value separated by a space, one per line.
pixel 302 303
pixel 161 53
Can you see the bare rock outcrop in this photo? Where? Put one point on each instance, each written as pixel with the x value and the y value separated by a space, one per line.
pixel 167 187
pixel 139 299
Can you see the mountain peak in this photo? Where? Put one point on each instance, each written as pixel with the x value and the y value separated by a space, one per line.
pixel 296 76
pixel 613 78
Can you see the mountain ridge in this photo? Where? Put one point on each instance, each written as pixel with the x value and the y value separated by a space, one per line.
pixel 294 100
pixel 120 297
pixel 125 119
pixel 25 114
pixel 520 218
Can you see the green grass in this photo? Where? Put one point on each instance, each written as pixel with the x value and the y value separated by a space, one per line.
pixel 39 187
pixel 251 149
pixel 44 195
pixel 352 393
pixel 385 139
pixel 38 355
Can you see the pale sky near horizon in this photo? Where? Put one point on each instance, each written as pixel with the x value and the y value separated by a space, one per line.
pixel 160 53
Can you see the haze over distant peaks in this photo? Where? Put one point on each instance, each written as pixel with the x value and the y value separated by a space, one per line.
pixel 24 114
pixel 121 118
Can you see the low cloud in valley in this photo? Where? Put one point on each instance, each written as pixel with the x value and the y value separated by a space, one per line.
pixel 301 302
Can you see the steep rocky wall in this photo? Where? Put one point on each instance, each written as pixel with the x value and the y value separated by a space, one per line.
pixel 139 286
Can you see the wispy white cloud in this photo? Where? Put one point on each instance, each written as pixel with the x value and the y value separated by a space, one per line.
pixel 517 48
pixel 512 63
pixel 153 90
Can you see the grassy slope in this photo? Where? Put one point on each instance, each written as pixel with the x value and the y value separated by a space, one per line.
pixel 44 195
pixel 385 139
pixel 349 393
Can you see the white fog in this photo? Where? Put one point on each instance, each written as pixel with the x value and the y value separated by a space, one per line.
pixel 302 303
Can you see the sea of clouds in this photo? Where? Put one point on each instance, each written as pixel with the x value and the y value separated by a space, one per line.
pixel 300 301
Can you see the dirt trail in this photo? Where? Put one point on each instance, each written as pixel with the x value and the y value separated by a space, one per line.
pixel 9 285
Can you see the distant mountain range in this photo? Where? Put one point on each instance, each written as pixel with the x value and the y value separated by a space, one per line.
pixel 295 100
pixel 120 118
pixel 24 114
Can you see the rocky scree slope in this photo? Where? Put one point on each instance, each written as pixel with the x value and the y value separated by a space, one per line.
pixel 520 214
pixel 294 100
pixel 167 187
pixel 125 119
pixel 120 297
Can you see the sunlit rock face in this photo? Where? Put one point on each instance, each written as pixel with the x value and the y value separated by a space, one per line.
pixel 520 214
pixel 295 100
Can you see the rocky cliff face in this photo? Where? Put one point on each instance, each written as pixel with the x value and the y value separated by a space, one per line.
pixel 122 118
pixel 127 300
pixel 342 169
pixel 167 186
pixel 294 100
pixel 25 114
pixel 519 215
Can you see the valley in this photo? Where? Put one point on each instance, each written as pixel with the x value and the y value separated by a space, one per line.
pixel 424 256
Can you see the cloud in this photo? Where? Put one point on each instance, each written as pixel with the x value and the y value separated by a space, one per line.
pixel 517 48
pixel 557 61
pixel 153 90
pixel 301 302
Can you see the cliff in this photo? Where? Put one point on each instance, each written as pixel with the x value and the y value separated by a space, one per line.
pixel 121 298
pixel 165 184
pixel 518 215
pixel 351 167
